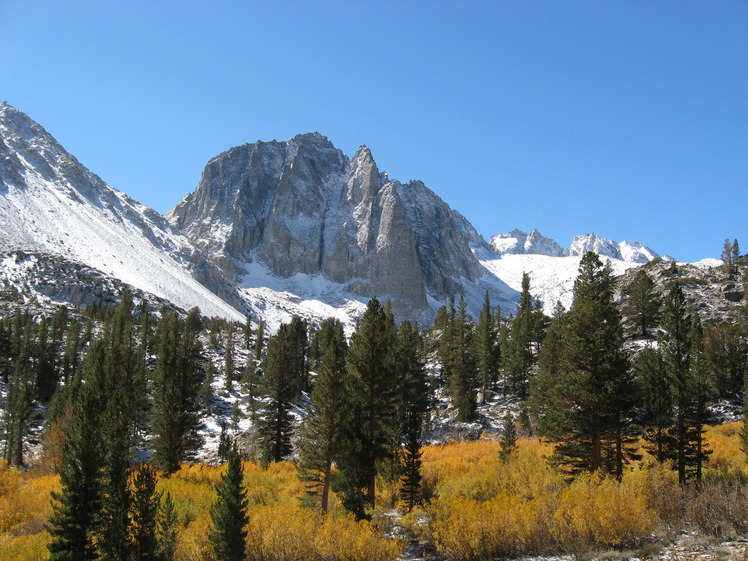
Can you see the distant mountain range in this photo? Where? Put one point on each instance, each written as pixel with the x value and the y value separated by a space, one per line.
pixel 273 229
pixel 517 242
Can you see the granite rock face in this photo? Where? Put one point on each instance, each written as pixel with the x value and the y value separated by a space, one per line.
pixel 302 206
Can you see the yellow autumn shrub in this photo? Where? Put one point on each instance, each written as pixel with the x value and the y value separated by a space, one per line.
pixel 601 511
pixel 724 442
pixel 281 531
pixel 465 528
pixel 32 547
pixel 24 510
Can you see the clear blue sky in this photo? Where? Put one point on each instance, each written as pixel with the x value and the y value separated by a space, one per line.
pixel 628 119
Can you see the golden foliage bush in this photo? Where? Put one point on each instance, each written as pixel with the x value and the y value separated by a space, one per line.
pixel 724 441
pixel 282 531
pixel 521 507
pixel 599 511
pixel 481 506
pixel 279 527
pixel 24 509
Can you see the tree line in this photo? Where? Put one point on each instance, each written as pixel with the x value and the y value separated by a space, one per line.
pixel 138 383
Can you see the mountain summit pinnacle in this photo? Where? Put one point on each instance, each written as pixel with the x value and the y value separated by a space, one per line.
pixel 297 209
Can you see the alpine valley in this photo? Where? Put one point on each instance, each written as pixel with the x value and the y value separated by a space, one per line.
pixel 273 229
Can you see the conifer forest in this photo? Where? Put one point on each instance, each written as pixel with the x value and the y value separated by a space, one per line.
pixel 610 428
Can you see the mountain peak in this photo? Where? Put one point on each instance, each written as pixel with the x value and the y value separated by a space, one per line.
pixel 534 243
pixel 519 242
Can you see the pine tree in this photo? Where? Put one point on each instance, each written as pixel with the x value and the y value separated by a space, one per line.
pixel 250 384
pixel 248 333
pixel 412 406
pixel 518 356
pixel 487 351
pixel 228 358
pixel 588 404
pixel 70 358
pixel 299 347
pixel 74 523
pixel 726 350
pixel 549 358
pixel 167 530
pixel 681 345
pixel 44 364
pixel 259 341
pixel 144 513
pixel 460 363
pixel 737 260
pixel 229 513
pixel 508 440
pixel 369 438
pixel 656 388
pixel 642 308
pixel 322 434
pixel 178 384
pixel 280 385
pixel 447 339
pixel 21 388
pixel 730 259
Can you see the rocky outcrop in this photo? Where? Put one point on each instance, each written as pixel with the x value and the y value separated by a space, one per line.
pixel 302 206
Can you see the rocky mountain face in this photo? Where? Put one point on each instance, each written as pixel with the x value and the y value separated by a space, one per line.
pixel 50 204
pixel 273 229
pixel 518 242
pixel 302 207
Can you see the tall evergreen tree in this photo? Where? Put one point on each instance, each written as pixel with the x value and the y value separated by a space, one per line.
pixel 144 513
pixel 413 404
pixel 229 513
pixel 259 341
pixel 487 350
pixel 726 349
pixel 369 437
pixel 731 259
pixel 120 368
pixel 299 347
pixel 21 388
pixel 75 521
pixel 280 385
pixel 44 363
pixel 17 412
pixel 518 355
pixel 681 345
pixel 178 384
pixel 656 389
pixel 588 403
pixel 460 363
pixel 250 385
pixel 322 434
pixel 642 307
pixel 549 358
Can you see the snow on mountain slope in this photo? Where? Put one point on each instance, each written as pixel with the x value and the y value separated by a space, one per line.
pixel 551 278
pixel 310 297
pixel 50 203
